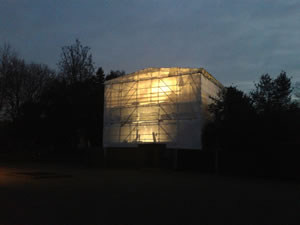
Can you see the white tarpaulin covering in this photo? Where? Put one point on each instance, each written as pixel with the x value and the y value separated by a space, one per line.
pixel 158 105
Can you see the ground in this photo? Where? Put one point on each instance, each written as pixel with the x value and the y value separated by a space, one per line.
pixel 52 194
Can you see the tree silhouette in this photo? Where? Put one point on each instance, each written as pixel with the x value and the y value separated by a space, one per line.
pixel 20 83
pixel 272 95
pixel 231 103
pixel 100 76
pixel 76 63
pixel 282 91
pixel 114 74
pixel 232 111
pixel 297 93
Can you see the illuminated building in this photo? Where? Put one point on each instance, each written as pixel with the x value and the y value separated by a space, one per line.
pixel 158 105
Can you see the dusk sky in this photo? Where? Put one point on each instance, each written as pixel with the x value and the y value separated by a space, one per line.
pixel 234 40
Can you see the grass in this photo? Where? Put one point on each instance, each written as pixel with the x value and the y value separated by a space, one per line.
pixel 145 196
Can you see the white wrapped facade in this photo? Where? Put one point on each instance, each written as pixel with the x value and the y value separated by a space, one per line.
pixel 158 105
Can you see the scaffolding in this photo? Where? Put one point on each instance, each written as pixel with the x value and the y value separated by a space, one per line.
pixel 158 105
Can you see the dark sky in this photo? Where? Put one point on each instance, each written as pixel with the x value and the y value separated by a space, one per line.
pixel 235 40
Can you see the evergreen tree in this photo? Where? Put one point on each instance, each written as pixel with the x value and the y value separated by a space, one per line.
pixel 272 95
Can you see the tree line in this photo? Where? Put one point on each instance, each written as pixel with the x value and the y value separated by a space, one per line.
pixel 262 125
pixel 42 109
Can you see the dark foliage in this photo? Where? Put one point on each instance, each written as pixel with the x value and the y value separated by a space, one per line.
pixel 233 112
pixel 271 96
pixel 297 93
pixel 76 63
pixel 42 111
pixel 114 74
pixel 264 125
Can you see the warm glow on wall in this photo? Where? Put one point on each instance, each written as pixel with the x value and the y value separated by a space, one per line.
pixel 156 105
